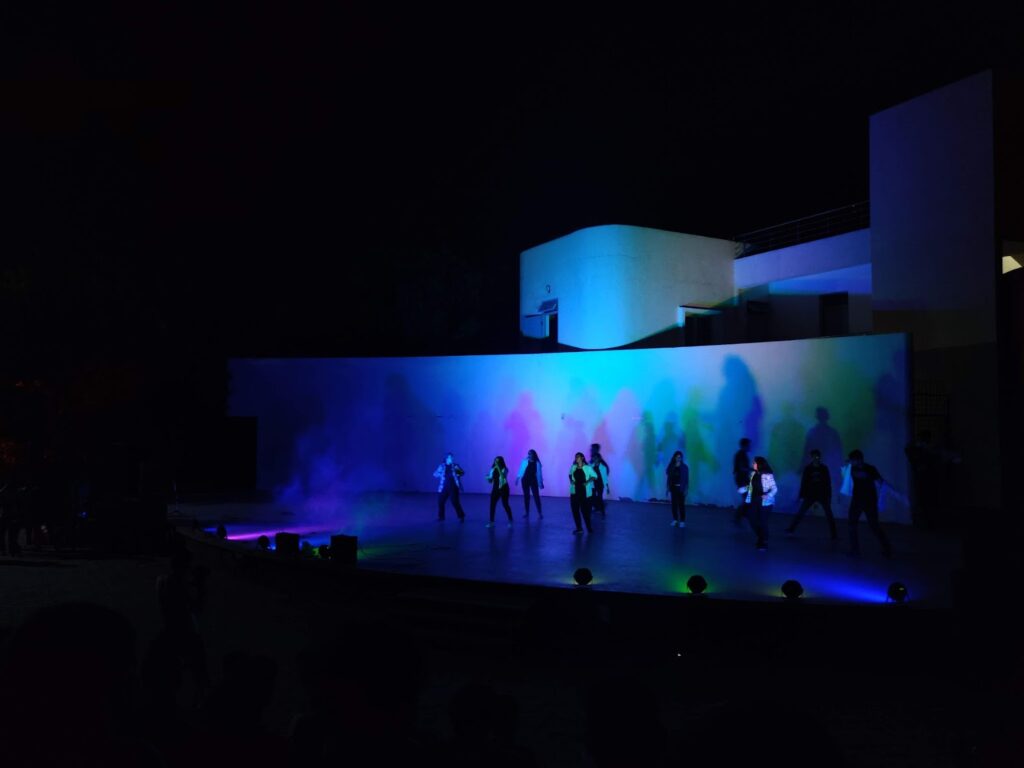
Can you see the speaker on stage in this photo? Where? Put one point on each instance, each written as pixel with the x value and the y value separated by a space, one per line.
pixel 343 550
pixel 287 543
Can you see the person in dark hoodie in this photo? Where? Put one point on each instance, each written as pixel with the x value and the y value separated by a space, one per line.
pixel 815 488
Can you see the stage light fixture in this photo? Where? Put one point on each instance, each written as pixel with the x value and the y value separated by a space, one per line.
pixel 792 589
pixel 897 593
pixel 583 577
pixel 696 584
pixel 263 542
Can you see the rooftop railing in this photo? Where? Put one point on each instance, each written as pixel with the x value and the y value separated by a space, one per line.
pixel 815 227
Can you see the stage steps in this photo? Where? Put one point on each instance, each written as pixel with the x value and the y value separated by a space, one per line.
pixel 455 617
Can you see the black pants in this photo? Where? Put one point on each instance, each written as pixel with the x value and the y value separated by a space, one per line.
pixel 678 504
pixel 870 511
pixel 597 500
pixel 10 528
pixel 502 494
pixel 535 488
pixel 757 514
pixel 580 504
pixel 442 497
pixel 826 504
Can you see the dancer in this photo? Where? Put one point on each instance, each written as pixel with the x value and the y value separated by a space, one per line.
pixel 677 477
pixel 533 480
pixel 581 488
pixel 741 470
pixel 815 488
pixel 449 484
pixel 497 476
pixel 865 500
pixel 760 496
pixel 602 470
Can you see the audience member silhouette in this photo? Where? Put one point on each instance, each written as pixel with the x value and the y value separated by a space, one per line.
pixel 232 730
pixel 483 730
pixel 623 725
pixel 180 597
pixel 773 733
pixel 363 685
pixel 69 691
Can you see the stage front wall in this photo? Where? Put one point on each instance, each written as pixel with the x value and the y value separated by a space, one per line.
pixel 333 427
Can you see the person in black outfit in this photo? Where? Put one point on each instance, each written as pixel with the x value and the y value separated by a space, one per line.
pixel 815 488
pixel 601 484
pixel 677 477
pixel 741 469
pixel 449 484
pixel 865 500
pixel 497 476
pixel 581 486
pixel 531 473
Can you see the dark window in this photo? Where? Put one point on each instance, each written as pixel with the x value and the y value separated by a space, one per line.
pixel 697 330
pixel 834 314
pixel 759 321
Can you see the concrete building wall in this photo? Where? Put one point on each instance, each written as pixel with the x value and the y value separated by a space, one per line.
pixel 826 255
pixel 618 284
pixel 935 259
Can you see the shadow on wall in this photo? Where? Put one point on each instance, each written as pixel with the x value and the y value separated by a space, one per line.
pixel 737 414
pixel 696 449
pixel 827 440
pixel 784 453
pixel 642 451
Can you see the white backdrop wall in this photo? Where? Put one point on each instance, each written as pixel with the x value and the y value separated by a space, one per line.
pixel 339 426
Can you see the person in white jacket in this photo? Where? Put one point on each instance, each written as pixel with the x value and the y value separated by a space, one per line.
pixel 760 498
pixel 533 480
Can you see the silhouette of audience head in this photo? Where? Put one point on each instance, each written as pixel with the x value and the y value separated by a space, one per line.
pixel 772 729
pixel 815 456
pixel 69 683
pixel 247 687
pixel 744 443
pixel 856 457
pixel 472 712
pixel 821 414
pixel 623 725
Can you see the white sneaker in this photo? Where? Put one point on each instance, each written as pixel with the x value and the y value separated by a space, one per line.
pixel 675 523
pixel 682 524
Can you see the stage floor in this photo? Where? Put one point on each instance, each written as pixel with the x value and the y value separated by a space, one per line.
pixel 633 549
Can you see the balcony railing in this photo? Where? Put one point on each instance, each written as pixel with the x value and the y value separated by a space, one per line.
pixel 815 227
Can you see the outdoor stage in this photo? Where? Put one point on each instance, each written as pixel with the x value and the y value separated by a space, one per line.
pixel 632 550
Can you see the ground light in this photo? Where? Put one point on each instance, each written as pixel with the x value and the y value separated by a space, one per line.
pixel 696 584
pixel 583 577
pixel 792 589
pixel 897 593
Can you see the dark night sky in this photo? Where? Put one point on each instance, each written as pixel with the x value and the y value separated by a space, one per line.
pixel 343 180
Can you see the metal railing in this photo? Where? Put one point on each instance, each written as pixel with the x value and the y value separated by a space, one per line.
pixel 815 227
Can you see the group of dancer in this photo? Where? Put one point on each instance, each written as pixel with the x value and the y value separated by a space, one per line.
pixel 588 484
pixel 755 481
pixel 862 482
